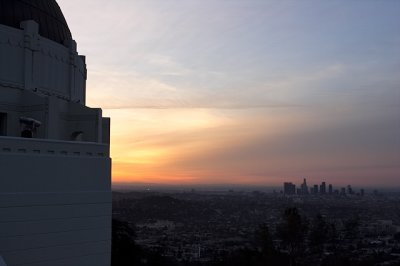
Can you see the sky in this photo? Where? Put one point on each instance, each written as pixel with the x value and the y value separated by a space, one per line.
pixel 246 92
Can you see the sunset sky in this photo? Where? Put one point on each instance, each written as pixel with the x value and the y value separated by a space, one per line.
pixel 245 91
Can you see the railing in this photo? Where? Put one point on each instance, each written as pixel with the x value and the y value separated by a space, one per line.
pixel 47 147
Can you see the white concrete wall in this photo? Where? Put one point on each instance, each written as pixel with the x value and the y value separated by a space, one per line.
pixel 55 195
pixel 55 203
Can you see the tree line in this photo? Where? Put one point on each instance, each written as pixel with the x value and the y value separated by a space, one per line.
pixel 294 241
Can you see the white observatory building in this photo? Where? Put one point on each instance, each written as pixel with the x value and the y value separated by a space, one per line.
pixel 55 168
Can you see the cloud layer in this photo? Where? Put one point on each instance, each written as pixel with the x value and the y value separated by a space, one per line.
pixel 247 92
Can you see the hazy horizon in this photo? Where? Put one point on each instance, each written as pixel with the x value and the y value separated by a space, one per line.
pixel 245 92
pixel 138 186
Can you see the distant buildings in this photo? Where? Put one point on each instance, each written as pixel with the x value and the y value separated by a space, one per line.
pixel 322 188
pixel 290 189
pixel 304 187
pixel 315 191
pixel 350 190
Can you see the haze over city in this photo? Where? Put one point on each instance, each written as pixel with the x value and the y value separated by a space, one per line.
pixel 245 92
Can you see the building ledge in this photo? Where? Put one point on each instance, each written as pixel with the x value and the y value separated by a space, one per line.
pixel 33 146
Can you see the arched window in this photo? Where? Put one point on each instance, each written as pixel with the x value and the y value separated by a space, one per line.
pixel 29 127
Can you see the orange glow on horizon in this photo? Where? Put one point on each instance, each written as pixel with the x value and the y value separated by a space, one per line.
pixel 201 146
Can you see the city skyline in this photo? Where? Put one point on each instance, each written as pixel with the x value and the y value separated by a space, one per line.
pixel 323 188
pixel 245 92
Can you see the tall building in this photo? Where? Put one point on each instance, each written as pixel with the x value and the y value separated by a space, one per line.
pixel 55 169
pixel 322 188
pixel 315 190
pixel 350 190
pixel 289 188
pixel 304 187
pixel 330 189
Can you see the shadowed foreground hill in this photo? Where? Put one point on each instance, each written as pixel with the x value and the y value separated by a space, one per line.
pixel 126 253
pixel 250 229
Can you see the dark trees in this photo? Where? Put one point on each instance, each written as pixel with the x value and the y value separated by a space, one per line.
pixel 292 232
pixel 124 251
pixel 319 233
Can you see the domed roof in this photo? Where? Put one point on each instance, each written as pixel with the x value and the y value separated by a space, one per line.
pixel 46 13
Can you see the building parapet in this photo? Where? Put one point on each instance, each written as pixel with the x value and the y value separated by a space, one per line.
pixel 45 147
